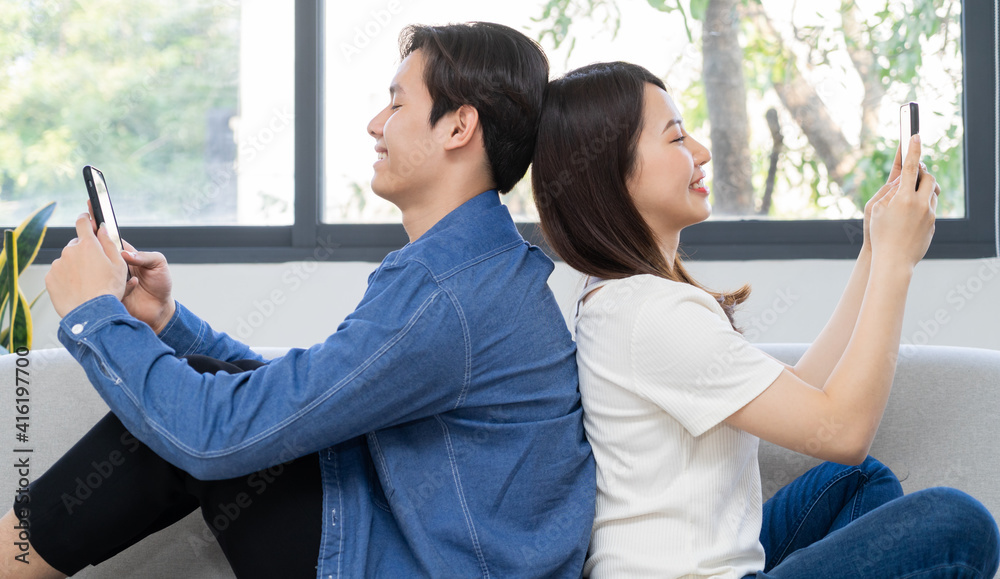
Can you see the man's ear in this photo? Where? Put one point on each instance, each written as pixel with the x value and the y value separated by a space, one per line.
pixel 462 125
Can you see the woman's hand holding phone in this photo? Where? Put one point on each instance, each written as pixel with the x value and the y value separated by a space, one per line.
pixel 893 180
pixel 902 218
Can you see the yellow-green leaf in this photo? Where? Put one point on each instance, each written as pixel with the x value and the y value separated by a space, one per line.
pixel 3 280
pixel 10 251
pixel 30 235
pixel 24 326
pixel 23 329
pixel 40 294
pixel 3 312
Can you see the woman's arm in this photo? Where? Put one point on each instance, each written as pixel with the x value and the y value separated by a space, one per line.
pixel 836 419
pixel 818 362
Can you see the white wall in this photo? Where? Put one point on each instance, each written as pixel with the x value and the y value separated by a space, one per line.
pixel 952 302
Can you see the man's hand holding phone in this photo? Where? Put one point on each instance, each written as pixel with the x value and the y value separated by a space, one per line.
pixel 148 294
pixel 90 266
pixel 98 262
pixel 148 290
pixel 148 285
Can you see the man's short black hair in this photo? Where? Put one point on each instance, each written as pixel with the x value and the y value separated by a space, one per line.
pixel 497 70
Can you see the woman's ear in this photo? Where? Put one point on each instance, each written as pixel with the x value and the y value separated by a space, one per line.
pixel 462 125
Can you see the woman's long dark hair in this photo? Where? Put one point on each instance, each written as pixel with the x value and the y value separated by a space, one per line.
pixel 584 156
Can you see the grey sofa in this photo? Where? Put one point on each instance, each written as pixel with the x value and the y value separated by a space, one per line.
pixel 940 429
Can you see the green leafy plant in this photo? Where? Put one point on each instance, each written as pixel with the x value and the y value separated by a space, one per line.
pixel 20 246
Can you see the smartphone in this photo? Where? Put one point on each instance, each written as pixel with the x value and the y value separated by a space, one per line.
pixel 100 202
pixel 909 125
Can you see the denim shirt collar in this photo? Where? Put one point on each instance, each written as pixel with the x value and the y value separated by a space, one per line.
pixel 480 226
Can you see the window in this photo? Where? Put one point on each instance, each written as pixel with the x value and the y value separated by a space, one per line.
pixel 805 62
pixel 189 117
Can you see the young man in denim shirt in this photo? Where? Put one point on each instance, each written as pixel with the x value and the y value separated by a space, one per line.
pixel 437 432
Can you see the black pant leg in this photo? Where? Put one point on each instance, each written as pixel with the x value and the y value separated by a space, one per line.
pixel 208 365
pixel 110 491
pixel 269 523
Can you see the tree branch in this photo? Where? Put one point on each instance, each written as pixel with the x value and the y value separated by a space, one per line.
pixel 772 170
pixel 807 109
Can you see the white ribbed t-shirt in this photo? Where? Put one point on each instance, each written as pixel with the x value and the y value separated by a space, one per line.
pixel 678 490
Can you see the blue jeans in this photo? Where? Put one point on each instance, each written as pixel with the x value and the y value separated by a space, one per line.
pixel 853 521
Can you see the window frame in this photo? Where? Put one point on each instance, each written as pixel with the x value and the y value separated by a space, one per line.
pixel 311 239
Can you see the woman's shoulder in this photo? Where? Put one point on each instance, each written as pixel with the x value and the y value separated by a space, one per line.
pixel 651 289
pixel 632 299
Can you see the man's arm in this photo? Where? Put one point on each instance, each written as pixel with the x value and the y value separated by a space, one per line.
pixel 188 334
pixel 399 357
pixel 148 297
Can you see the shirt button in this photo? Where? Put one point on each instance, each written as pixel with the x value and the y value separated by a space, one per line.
pixel 77 328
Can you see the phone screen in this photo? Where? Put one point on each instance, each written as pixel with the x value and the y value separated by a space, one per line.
pixel 103 212
pixel 909 125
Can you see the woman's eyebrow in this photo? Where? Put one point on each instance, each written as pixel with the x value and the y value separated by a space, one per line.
pixel 673 122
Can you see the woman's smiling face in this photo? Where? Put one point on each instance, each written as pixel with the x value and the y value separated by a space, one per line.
pixel 667 182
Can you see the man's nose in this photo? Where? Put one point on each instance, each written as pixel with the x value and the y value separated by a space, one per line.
pixel 375 125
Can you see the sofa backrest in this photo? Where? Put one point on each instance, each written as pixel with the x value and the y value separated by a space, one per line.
pixel 940 426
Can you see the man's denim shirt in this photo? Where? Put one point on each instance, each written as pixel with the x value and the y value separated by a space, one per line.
pixel 444 409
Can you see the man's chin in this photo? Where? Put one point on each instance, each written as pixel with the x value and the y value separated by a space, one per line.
pixel 386 190
pixel 379 187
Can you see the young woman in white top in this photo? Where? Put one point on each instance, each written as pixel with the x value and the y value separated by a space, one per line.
pixel 675 398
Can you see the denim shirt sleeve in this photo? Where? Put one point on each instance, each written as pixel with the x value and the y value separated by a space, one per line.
pixel 188 334
pixel 401 356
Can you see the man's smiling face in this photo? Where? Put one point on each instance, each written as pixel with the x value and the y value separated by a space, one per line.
pixel 407 147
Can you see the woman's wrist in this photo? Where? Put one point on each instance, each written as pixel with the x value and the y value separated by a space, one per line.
pixel 866 252
pixel 887 266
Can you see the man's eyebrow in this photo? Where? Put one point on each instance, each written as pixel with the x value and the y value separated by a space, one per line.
pixel 673 122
